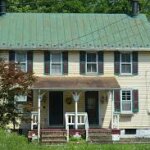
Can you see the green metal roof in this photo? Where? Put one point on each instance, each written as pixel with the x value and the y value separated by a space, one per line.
pixel 60 31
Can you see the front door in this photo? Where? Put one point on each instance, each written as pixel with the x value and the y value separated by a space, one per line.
pixel 91 106
pixel 55 108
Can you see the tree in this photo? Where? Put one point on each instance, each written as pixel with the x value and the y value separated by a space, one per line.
pixel 76 6
pixel 13 82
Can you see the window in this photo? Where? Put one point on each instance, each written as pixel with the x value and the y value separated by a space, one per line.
pixel 91 62
pixel 126 101
pixel 56 63
pixel 21 60
pixel 130 131
pixel 126 63
pixel 21 98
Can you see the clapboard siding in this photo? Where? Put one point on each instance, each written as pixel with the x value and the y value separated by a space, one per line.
pixel 4 55
pixel 73 63
pixel 38 60
pixel 140 82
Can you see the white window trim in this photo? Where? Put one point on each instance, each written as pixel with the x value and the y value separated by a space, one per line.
pixel 92 73
pixel 21 62
pixel 130 63
pixel 126 112
pixel 61 63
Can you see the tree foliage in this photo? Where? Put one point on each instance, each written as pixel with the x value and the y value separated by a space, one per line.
pixel 76 6
pixel 13 82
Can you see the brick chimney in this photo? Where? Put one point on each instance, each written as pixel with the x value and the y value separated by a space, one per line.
pixel 2 7
pixel 135 7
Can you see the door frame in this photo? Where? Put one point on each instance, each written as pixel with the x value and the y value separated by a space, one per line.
pixel 48 124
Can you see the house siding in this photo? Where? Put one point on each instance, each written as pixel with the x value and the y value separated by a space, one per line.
pixel 73 63
pixel 140 82
pixel 38 63
pixel 4 55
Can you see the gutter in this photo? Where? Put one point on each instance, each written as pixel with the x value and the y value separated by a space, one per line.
pixel 79 49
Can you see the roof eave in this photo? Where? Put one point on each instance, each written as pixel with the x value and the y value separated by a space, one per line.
pixel 72 89
pixel 83 49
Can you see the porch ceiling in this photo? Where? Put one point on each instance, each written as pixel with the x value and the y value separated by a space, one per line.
pixel 75 83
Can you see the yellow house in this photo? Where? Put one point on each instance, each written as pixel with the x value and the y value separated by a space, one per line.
pixel 92 69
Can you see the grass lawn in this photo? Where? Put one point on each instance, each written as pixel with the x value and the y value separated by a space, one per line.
pixel 11 141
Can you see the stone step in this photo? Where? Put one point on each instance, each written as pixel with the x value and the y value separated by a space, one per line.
pixel 99 134
pixel 52 135
pixel 53 141
pixel 53 131
pixel 102 139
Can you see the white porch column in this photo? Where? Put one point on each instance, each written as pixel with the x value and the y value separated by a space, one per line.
pixel 39 114
pixel 76 115
pixel 76 99
pixel 112 109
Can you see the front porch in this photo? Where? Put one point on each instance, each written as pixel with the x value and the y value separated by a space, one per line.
pixel 77 107
pixel 102 119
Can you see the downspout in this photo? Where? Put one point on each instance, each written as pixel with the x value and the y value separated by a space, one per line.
pixel 112 107
pixel 39 114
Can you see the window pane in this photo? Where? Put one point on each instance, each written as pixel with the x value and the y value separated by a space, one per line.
pixel 91 68
pixel 126 105
pixel 21 98
pixel 126 57
pixel 22 66
pixel 21 57
pixel 126 101
pixel 56 69
pixel 126 95
pixel 91 57
pixel 126 68
pixel 56 57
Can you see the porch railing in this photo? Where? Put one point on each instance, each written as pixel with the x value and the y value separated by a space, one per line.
pixel 115 123
pixel 82 120
pixel 34 120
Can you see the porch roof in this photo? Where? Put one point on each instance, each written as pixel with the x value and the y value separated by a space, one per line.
pixel 75 83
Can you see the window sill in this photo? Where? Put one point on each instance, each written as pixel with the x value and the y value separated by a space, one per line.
pixel 126 113
pixel 126 75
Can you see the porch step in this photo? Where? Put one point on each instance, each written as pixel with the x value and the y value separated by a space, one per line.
pixel 100 136
pixel 53 136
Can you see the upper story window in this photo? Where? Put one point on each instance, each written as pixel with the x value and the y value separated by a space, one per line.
pixel 21 60
pixel 24 59
pixel 126 63
pixel 91 62
pixel 126 101
pixel 56 63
